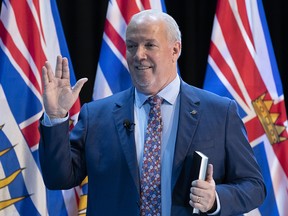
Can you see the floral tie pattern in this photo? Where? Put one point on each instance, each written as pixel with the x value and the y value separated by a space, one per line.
pixel 151 170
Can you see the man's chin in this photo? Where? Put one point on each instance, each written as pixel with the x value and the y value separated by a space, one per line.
pixel 147 89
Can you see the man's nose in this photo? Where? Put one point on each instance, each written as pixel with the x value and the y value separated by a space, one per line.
pixel 140 53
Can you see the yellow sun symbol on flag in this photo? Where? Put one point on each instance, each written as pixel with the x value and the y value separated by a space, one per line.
pixel 4 182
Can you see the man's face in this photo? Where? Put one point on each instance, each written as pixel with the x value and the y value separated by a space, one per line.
pixel 151 57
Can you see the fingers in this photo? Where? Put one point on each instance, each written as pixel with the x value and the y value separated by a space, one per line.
pixel 62 68
pixel 45 79
pixel 47 74
pixel 78 86
pixel 203 193
pixel 195 199
pixel 58 69
pixel 209 176
pixel 197 202
pixel 65 69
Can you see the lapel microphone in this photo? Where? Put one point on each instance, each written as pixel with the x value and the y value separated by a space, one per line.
pixel 128 125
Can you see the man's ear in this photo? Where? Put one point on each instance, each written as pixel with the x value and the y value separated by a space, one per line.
pixel 176 51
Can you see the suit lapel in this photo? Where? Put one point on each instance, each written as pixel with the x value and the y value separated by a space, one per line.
pixel 124 110
pixel 189 116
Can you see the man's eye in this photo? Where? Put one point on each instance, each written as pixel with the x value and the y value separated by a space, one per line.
pixel 150 45
pixel 131 46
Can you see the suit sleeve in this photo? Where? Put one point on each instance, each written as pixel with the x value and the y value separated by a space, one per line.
pixel 63 162
pixel 243 187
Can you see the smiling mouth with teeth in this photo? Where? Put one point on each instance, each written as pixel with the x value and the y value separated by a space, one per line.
pixel 142 67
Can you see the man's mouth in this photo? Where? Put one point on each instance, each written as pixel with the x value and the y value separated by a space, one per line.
pixel 142 67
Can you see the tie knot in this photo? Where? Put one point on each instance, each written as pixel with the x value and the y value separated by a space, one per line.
pixel 155 100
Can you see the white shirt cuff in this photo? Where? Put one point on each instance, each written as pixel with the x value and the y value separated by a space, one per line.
pixel 51 122
pixel 218 206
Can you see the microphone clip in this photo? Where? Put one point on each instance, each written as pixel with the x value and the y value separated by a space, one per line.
pixel 128 125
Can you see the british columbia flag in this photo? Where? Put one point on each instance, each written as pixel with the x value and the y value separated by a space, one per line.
pixel 242 66
pixel 30 34
pixel 112 73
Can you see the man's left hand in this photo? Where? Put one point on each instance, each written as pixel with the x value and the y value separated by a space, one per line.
pixel 203 193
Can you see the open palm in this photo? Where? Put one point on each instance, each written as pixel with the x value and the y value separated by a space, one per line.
pixel 58 95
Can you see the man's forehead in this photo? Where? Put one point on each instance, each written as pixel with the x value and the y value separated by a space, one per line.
pixel 145 26
pixel 150 33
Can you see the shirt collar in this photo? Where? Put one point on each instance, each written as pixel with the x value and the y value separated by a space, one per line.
pixel 169 93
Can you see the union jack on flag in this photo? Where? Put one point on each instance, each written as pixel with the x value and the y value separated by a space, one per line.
pixel 112 74
pixel 242 66
pixel 30 34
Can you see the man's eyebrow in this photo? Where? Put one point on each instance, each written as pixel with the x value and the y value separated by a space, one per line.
pixel 150 40
pixel 130 41
pixel 147 40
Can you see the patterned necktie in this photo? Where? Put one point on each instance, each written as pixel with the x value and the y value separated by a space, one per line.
pixel 150 178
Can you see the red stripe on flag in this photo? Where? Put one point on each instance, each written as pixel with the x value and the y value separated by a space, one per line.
pixel 75 108
pixel 116 39
pixel 225 69
pixel 279 108
pixel 17 55
pixel 239 51
pixel 281 150
pixel 127 9
pixel 146 4
pixel 37 6
pixel 31 134
pixel 29 31
pixel 77 196
pixel 244 17
pixel 254 129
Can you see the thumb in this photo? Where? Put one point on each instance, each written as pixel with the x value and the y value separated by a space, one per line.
pixel 78 86
pixel 209 176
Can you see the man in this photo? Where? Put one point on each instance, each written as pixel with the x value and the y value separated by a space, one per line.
pixel 110 143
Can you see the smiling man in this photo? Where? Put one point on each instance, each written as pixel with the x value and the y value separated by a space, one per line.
pixel 137 146
pixel 152 52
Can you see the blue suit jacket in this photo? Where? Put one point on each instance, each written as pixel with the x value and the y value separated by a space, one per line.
pixel 102 148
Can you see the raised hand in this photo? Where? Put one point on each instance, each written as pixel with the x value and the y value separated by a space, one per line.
pixel 58 95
